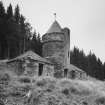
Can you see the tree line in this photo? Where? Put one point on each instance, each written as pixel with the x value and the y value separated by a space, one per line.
pixel 16 37
pixel 16 34
pixel 92 65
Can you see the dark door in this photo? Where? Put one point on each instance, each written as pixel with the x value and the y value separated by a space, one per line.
pixel 65 72
pixel 40 69
pixel 73 74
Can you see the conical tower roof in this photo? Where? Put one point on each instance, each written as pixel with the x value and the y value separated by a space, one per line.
pixel 55 27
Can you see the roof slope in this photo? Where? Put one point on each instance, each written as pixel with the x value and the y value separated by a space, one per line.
pixel 32 55
pixel 73 67
pixel 55 27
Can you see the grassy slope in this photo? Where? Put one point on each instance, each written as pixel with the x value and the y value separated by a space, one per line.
pixel 51 91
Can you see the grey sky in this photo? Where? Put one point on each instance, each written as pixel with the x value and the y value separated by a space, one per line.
pixel 85 18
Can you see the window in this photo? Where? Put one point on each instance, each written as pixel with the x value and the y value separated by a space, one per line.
pixel 40 69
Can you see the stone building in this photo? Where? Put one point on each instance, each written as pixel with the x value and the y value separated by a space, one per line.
pixel 31 64
pixel 56 48
pixel 55 60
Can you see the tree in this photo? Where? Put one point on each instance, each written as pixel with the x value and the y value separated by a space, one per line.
pixel 39 44
pixel 90 63
pixel 74 56
pixel 2 10
pixel 9 12
pixel 23 34
pixel 17 14
pixel 2 31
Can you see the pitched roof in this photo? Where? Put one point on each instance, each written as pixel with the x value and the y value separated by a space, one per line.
pixel 31 55
pixel 73 67
pixel 55 27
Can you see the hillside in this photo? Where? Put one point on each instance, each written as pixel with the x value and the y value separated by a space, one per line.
pixel 49 91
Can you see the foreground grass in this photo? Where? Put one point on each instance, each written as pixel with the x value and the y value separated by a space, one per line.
pixel 51 91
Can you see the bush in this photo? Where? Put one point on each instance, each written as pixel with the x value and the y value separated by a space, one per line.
pixel 65 91
pixel 41 83
pixel 84 103
pixel 16 94
pixel 100 100
pixel 1 102
pixel 25 80
pixel 5 77
pixel 74 91
pixel 49 90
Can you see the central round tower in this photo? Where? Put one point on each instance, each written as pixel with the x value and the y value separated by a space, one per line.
pixel 56 46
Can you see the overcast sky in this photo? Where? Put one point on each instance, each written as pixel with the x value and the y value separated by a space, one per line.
pixel 85 18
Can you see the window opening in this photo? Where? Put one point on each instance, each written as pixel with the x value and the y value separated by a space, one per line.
pixel 40 69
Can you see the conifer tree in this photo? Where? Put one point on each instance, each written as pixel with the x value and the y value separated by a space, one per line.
pixel 23 34
pixel 17 14
pixel 39 44
pixel 2 31
pixel 9 12
pixel 2 10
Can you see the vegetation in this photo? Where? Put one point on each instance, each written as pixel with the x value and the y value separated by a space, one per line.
pixel 65 92
pixel 90 63
pixel 16 34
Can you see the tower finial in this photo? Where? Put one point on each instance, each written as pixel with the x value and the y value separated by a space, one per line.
pixel 55 16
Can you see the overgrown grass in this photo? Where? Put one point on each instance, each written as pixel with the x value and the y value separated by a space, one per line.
pixel 49 90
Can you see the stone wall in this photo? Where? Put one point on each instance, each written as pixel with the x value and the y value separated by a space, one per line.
pixel 56 46
pixel 77 75
pixel 53 37
pixel 31 68
pixel 48 70
pixel 51 48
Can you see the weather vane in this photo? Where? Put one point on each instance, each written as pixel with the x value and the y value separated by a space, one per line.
pixel 55 16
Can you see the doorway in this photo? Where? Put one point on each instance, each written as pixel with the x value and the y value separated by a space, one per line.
pixel 40 69
pixel 73 74
pixel 65 72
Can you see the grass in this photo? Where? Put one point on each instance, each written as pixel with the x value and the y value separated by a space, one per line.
pixel 51 91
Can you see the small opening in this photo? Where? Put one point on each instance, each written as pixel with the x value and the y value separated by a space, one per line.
pixel 68 54
pixel 40 69
pixel 73 74
pixel 65 72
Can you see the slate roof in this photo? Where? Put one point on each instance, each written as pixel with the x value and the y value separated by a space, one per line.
pixel 31 55
pixel 55 27
pixel 73 67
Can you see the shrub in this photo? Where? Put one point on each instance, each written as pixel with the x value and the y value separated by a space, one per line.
pixel 16 94
pixel 5 77
pixel 1 102
pixel 74 91
pixel 41 83
pixel 25 80
pixel 65 91
pixel 48 90
pixel 100 100
pixel 84 103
